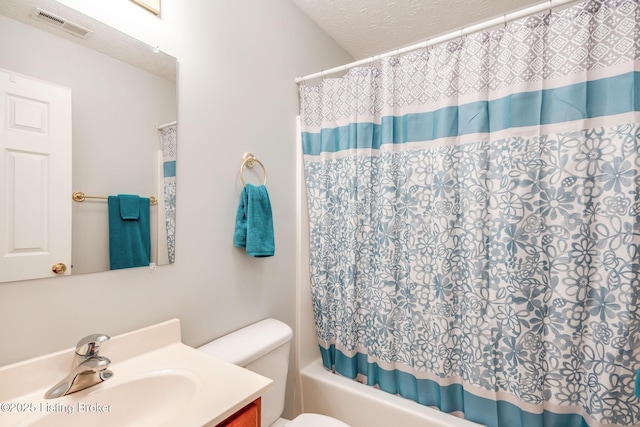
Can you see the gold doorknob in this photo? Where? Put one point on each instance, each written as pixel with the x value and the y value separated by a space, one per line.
pixel 59 268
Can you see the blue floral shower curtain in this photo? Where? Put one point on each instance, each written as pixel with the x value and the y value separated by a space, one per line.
pixel 169 141
pixel 475 218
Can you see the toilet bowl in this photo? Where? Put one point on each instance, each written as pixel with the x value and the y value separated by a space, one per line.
pixel 264 348
pixel 314 420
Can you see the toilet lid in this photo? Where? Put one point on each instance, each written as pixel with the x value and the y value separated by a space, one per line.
pixel 315 420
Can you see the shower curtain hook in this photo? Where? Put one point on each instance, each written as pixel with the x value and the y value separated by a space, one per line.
pixel 463 35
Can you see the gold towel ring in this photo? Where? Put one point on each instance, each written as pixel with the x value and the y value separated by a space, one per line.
pixel 250 161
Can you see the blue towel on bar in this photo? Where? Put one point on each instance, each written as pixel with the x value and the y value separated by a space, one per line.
pixel 129 231
pixel 254 222
pixel 637 387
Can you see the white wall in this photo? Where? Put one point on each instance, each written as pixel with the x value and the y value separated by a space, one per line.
pixel 237 62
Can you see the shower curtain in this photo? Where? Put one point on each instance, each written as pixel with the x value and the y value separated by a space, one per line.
pixel 169 141
pixel 474 220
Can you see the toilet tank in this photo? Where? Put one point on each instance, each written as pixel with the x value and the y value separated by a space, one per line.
pixel 263 348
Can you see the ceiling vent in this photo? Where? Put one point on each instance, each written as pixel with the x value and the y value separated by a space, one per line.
pixel 68 26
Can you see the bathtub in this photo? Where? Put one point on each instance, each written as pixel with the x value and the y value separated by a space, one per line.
pixel 363 406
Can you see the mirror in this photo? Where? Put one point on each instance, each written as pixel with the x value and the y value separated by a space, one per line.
pixel 122 92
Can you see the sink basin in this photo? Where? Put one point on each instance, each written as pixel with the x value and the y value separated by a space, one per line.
pixel 157 382
pixel 143 401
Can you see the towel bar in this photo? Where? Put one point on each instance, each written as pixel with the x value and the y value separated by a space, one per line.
pixel 250 161
pixel 79 196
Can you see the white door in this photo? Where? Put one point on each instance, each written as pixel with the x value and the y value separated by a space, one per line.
pixel 35 178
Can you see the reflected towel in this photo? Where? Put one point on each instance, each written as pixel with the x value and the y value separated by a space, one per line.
pixel 254 222
pixel 129 206
pixel 129 231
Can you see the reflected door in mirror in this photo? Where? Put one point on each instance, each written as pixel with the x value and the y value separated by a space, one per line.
pixel 35 178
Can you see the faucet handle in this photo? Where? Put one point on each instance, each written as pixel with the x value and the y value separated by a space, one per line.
pixel 95 363
pixel 90 345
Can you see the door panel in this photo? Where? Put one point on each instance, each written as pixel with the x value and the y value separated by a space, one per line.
pixel 35 177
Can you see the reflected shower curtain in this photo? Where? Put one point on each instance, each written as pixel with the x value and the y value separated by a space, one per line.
pixel 475 218
pixel 169 141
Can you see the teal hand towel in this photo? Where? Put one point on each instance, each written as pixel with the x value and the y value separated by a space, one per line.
pixel 129 206
pixel 637 387
pixel 129 238
pixel 254 222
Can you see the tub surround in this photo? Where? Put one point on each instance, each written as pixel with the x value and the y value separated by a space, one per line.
pixel 360 406
pixel 222 389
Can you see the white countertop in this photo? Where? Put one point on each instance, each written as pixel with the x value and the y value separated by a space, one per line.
pixel 221 389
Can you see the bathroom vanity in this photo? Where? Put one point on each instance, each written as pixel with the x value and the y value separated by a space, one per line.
pixel 249 416
pixel 157 381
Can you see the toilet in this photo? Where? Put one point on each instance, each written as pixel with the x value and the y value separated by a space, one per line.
pixel 264 349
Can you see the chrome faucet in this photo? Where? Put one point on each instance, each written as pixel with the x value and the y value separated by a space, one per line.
pixel 88 368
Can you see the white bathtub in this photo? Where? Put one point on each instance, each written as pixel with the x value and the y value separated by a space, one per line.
pixel 363 406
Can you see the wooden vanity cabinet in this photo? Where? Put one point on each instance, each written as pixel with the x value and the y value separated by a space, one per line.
pixel 249 416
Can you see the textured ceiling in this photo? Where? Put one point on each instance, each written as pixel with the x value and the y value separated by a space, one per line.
pixel 369 27
pixel 104 38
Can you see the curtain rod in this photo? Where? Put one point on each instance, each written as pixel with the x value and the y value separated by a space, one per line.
pixel 166 125
pixel 508 17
